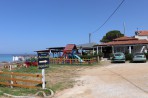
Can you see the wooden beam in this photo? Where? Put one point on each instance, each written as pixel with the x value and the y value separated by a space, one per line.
pixel 14 79
pixel 18 85
pixel 21 74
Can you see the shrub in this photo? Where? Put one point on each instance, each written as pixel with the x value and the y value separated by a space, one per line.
pixel 111 55
pixel 146 54
pixel 87 56
pixel 128 56
pixel 31 62
pixel 100 54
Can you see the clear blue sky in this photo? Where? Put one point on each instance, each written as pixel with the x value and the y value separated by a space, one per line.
pixel 29 25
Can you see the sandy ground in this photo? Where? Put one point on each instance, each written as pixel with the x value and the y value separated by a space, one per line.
pixel 122 80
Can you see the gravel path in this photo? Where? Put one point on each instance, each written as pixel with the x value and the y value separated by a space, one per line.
pixel 122 80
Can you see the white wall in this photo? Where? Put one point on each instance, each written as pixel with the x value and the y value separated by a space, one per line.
pixel 141 37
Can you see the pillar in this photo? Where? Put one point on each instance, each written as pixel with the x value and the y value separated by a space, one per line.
pixel 81 50
pixel 112 49
pixel 130 49
pixel 93 51
pixel 101 48
pixel 97 50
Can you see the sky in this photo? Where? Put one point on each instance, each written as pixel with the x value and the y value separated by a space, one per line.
pixel 30 25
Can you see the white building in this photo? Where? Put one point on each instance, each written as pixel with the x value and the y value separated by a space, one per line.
pixel 141 35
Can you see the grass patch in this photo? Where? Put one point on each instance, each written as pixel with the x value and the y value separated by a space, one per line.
pixel 17 91
pixel 1 93
pixel 58 77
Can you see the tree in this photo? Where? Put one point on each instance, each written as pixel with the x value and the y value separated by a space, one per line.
pixel 111 35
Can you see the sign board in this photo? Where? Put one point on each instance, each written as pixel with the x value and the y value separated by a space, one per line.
pixel 44 54
pixel 43 60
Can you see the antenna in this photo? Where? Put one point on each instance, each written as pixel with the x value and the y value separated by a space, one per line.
pixel 89 37
pixel 124 27
pixel 136 33
pixel 137 29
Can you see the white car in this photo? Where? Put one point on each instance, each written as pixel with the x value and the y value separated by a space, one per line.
pixel 139 57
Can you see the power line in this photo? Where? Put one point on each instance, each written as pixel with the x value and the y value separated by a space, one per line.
pixel 109 16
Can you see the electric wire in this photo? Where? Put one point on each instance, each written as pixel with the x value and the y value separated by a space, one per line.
pixel 109 16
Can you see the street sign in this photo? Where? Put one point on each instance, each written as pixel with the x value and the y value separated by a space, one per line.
pixel 43 60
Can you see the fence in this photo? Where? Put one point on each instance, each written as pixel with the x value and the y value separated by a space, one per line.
pixel 20 79
pixel 71 61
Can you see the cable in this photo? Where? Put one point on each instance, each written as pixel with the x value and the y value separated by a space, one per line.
pixel 109 17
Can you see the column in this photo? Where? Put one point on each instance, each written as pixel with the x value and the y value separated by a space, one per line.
pixel 112 49
pixel 101 48
pixel 81 51
pixel 93 51
pixel 97 50
pixel 130 49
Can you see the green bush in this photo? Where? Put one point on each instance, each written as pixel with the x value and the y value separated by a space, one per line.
pixel 100 54
pixel 111 55
pixel 146 54
pixel 128 57
pixel 88 56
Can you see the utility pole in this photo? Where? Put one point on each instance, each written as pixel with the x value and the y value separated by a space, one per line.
pixel 89 37
pixel 124 27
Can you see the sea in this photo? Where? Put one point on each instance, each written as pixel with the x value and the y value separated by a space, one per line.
pixel 6 57
pixel 9 57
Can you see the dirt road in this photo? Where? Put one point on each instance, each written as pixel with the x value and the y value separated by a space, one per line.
pixel 122 80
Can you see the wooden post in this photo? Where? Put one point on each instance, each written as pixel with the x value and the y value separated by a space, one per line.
pixel 70 61
pixel 11 76
pixel 43 78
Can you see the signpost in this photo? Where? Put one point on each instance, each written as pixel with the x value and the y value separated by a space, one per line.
pixel 43 62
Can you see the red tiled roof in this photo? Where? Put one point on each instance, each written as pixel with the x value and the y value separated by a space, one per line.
pixel 70 47
pixel 143 33
pixel 125 38
pixel 130 42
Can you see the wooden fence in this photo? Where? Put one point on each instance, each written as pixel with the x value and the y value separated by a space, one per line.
pixel 71 61
pixel 23 80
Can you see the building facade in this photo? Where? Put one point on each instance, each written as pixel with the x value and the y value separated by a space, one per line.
pixel 141 35
pixel 123 44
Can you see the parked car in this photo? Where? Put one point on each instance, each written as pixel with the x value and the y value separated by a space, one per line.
pixel 118 57
pixel 139 57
